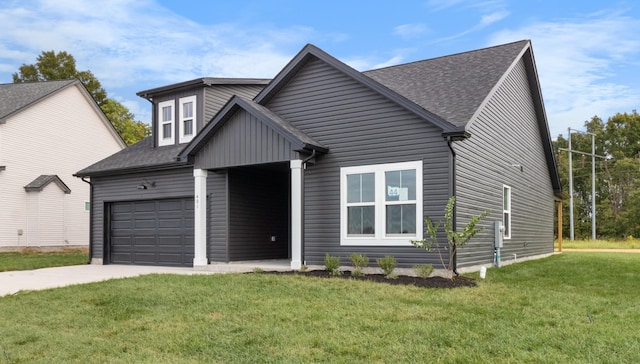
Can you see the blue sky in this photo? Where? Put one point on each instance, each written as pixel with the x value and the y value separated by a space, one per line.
pixel 587 52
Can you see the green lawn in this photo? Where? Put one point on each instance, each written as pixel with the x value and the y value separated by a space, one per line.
pixel 568 308
pixel 599 244
pixel 35 259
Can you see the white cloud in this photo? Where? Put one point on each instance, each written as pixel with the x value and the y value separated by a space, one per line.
pixel 410 30
pixel 577 61
pixel 139 44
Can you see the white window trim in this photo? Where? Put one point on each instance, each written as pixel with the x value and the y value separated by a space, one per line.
pixel 380 237
pixel 161 138
pixel 186 138
pixel 507 211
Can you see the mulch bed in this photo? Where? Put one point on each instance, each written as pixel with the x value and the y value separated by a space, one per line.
pixel 431 282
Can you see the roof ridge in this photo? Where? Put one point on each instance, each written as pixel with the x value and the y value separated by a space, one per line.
pixel 446 56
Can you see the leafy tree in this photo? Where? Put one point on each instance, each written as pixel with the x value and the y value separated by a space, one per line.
pixel 122 120
pixel 52 66
pixel 617 177
pixel 455 240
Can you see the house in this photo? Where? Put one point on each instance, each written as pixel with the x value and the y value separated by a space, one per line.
pixel 48 130
pixel 326 159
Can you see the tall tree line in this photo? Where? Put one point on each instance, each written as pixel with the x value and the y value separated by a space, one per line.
pixel 51 66
pixel 617 177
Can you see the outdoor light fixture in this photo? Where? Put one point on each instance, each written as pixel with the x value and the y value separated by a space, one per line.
pixel 146 184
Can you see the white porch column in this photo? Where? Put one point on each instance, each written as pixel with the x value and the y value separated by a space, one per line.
pixel 200 218
pixel 296 214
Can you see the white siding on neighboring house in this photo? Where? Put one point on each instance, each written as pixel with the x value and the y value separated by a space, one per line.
pixel 46 212
pixel 58 135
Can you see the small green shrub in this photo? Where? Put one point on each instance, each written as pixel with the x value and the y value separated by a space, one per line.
pixel 258 270
pixel 359 261
pixel 332 264
pixel 424 270
pixel 304 268
pixel 387 264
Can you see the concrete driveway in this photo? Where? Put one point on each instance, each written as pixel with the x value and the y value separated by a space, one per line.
pixel 29 280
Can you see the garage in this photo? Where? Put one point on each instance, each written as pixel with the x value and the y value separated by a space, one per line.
pixel 154 232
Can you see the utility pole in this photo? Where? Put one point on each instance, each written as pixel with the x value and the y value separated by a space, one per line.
pixel 570 189
pixel 593 182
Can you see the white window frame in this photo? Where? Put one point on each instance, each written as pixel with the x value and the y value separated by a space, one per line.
pixel 181 119
pixel 380 237
pixel 507 229
pixel 162 139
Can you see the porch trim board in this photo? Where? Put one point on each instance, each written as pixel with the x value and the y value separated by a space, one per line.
pixel 200 217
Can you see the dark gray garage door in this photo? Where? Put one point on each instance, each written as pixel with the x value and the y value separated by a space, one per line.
pixel 158 232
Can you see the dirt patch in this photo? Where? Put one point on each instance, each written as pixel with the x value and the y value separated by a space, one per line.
pixel 431 282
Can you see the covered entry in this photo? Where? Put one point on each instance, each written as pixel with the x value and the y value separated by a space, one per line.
pixel 259 212
pixel 155 232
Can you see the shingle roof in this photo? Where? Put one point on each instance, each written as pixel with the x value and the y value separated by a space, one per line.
pixel 42 181
pixel 16 96
pixel 206 81
pixel 138 156
pixel 453 87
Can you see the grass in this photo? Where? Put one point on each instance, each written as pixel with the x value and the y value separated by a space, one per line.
pixel 599 244
pixel 568 308
pixel 32 259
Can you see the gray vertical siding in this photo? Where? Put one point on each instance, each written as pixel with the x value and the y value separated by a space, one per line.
pixel 504 134
pixel 258 209
pixel 169 184
pixel 244 140
pixel 218 215
pixel 359 127
pixel 217 96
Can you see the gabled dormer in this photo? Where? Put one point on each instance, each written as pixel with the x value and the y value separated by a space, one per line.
pixel 181 110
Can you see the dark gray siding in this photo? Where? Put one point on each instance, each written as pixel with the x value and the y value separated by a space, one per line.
pixel 169 184
pixel 359 127
pixel 258 210
pixel 218 200
pixel 505 133
pixel 244 140
pixel 217 96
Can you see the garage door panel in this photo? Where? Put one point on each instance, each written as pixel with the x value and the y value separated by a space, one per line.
pixel 152 232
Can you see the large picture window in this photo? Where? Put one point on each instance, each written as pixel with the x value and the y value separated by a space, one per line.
pixel 381 204
pixel 187 120
pixel 506 211
pixel 166 123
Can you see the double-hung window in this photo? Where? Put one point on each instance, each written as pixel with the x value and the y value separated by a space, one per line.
pixel 187 119
pixel 381 204
pixel 166 123
pixel 506 211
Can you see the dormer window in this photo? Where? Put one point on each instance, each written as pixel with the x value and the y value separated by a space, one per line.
pixel 166 123
pixel 187 118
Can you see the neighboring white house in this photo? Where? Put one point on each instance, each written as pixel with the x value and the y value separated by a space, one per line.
pixel 48 131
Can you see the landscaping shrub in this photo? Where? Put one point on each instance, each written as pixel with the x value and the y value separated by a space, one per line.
pixel 332 264
pixel 424 270
pixel 387 264
pixel 359 261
